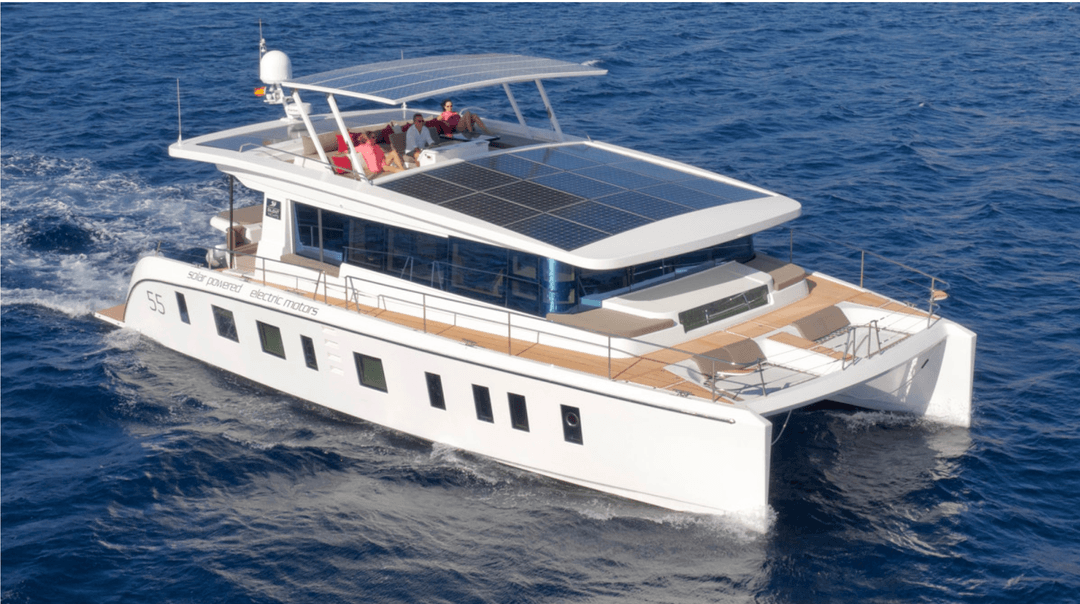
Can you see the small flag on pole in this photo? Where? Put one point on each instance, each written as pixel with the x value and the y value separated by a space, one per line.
pixel 260 91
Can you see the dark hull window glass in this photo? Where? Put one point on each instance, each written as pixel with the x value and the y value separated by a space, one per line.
pixel 482 398
pixel 309 352
pixel 434 391
pixel 270 337
pixel 571 424
pixel 226 325
pixel 181 303
pixel 370 371
pixel 519 415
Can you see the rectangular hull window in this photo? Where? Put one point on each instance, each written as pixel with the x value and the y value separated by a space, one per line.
pixel 571 424
pixel 309 352
pixel 370 371
pixel 519 415
pixel 181 303
pixel 482 398
pixel 226 325
pixel 270 337
pixel 434 391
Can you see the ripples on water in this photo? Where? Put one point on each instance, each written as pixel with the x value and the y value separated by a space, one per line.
pixel 943 136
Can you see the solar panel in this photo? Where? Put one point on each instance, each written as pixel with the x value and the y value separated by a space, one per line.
pixel 558 232
pixel 567 196
pixel 534 196
pixel 491 209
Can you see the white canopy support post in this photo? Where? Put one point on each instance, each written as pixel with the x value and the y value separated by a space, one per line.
pixel 311 130
pixel 550 111
pixel 357 170
pixel 513 103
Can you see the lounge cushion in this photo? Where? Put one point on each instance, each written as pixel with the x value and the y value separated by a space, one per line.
pixel 738 357
pixel 327 140
pixel 822 323
pixel 784 274
pixel 605 320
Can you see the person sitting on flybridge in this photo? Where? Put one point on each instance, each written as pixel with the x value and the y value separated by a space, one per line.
pixel 417 138
pixel 460 122
pixel 374 157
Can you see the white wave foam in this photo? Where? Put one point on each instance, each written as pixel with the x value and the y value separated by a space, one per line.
pixel 101 222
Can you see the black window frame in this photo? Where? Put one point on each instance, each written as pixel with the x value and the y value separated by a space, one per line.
pixel 365 362
pixel 435 390
pixel 308 346
pixel 265 331
pixel 482 400
pixel 519 411
pixel 181 304
pixel 225 323
pixel 571 423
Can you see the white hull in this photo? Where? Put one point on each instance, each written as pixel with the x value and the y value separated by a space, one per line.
pixel 642 444
pixel 649 445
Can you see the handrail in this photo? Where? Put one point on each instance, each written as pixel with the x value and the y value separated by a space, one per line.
pixel 937 288
pixel 351 292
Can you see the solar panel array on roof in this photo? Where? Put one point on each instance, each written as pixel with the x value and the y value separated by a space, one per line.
pixel 395 82
pixel 567 196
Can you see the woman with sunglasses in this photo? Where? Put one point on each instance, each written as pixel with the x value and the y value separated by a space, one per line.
pixel 460 122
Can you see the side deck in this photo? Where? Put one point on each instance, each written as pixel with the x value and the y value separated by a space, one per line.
pixel 663 367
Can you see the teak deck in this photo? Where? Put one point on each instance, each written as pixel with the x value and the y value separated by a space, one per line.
pixel 649 370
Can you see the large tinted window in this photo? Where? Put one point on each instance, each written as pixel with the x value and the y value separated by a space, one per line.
pixel 517 280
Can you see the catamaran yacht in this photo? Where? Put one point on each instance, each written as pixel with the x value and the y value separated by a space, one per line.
pixel 565 306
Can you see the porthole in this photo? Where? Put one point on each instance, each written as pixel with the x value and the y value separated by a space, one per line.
pixel 571 424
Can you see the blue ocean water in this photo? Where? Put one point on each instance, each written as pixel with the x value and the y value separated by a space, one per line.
pixel 944 136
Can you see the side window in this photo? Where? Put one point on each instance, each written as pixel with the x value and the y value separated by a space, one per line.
pixel 482 397
pixel 434 391
pixel 370 371
pixel 226 325
pixel 270 337
pixel 181 303
pixel 519 415
pixel 571 424
pixel 309 352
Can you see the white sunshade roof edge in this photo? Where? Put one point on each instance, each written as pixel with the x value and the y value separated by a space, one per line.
pixel 395 82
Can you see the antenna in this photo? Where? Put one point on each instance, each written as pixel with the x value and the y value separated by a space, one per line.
pixel 179 124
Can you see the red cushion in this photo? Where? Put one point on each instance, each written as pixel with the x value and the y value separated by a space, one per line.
pixel 342 146
pixel 341 161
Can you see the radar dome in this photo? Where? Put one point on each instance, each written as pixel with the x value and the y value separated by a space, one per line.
pixel 275 67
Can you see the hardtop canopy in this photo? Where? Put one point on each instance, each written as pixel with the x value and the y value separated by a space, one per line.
pixel 397 82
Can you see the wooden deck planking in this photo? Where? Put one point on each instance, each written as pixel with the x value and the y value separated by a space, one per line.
pixel 647 370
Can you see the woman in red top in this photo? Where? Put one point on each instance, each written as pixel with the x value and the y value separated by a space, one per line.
pixel 460 122
pixel 374 157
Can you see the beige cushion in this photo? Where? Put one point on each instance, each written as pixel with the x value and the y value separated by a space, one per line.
pixel 784 274
pixel 328 141
pixel 612 322
pixel 737 357
pixel 822 323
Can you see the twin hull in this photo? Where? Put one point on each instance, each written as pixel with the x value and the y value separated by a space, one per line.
pixel 638 443
pixel 644 444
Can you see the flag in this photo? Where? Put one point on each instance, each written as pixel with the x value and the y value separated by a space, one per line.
pixel 260 91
